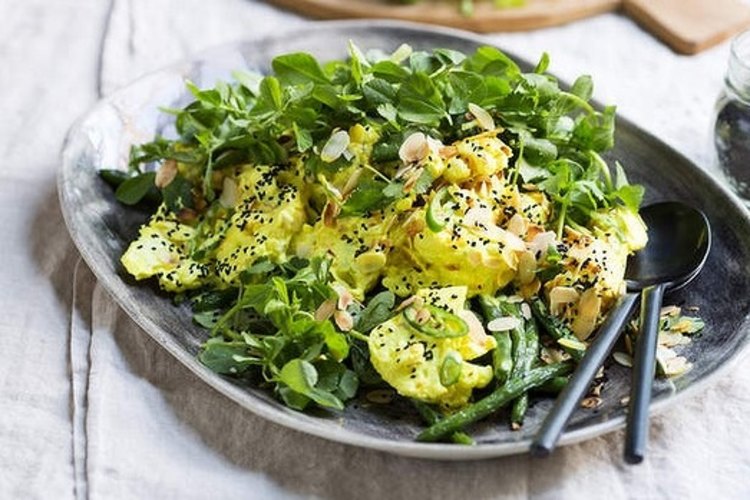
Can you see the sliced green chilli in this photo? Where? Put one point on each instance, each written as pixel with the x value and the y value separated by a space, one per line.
pixel 440 324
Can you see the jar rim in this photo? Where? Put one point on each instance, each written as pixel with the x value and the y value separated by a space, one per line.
pixel 738 41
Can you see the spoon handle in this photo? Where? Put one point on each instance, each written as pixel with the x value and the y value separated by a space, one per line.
pixel 644 367
pixel 568 400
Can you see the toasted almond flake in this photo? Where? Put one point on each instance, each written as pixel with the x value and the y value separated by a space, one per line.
pixel 325 310
pixel 330 212
pixel 351 182
pixel 541 243
pixel 448 152
pixel 412 178
pixel 503 324
pixel 343 320
pixel 518 225
pixel 228 198
pixel 335 146
pixel 530 289
pixel 166 174
pixel 589 306
pixel 345 297
pixel 380 396
pixel 670 311
pixel 559 296
pixel 572 344
pixel 482 215
pixel 591 402
pixel 525 311
pixel 623 359
pixel 414 148
pixel 483 118
pixel 514 299
pixel 476 330
pixel 668 339
pixel 414 299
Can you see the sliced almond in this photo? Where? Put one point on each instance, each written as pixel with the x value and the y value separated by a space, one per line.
pixel 518 225
pixel 589 306
pixel 351 182
pixel 228 198
pixel 483 118
pixel 325 310
pixel 414 148
pixel 343 320
pixel 335 146
pixel 166 174
pixel 561 295
pixel 503 324
pixel 345 297
pixel 623 359
pixel 525 311
pixel 330 212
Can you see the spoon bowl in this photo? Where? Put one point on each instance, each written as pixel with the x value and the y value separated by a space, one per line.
pixel 679 239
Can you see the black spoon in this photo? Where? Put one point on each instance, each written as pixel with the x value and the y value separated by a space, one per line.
pixel 679 238
pixel 679 248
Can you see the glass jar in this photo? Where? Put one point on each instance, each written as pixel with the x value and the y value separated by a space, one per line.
pixel 732 125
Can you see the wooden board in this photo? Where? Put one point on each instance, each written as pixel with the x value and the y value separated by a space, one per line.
pixel 486 17
pixel 690 26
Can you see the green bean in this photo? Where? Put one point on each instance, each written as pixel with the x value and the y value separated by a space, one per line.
pixel 431 417
pixel 493 402
pixel 531 354
pixel 555 328
pixel 502 355
pixel 553 385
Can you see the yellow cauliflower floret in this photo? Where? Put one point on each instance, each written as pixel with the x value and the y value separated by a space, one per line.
pixel 410 360
pixel 592 279
pixel 355 245
pixel 161 250
pixel 268 211
pixel 471 250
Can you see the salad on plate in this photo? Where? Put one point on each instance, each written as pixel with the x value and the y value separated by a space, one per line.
pixel 434 225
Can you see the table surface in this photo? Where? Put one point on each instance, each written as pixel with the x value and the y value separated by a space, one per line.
pixel 91 407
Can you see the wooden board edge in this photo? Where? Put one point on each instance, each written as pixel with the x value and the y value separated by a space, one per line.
pixel 486 20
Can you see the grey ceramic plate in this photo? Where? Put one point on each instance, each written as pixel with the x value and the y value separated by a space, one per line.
pixel 102 228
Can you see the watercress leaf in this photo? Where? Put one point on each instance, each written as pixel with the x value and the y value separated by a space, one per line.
pixel 366 197
pixel 335 341
pixel 449 56
pixel 325 399
pixel 298 68
pixel 583 87
pixel 378 310
pixel 248 79
pixel 538 151
pixel 491 61
pixel 631 195
pixel 135 189
pixel 302 138
pixel 178 194
pixel 225 357
pixel 378 91
pixel 299 375
pixel 293 399
pixel 348 385
pixel 543 64
pixel 271 93
pixel 389 71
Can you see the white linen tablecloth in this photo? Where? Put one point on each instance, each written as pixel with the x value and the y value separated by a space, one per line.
pixel 91 407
